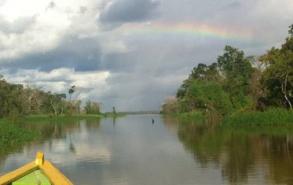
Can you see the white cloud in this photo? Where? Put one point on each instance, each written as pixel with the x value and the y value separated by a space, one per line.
pixel 50 23
pixel 90 84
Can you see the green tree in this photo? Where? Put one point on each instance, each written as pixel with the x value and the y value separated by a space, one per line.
pixel 15 100
pixel 278 75
pixel 170 105
pixel 206 72
pixel 92 107
pixel 237 71
pixel 71 91
pixel 208 96
pixel 202 72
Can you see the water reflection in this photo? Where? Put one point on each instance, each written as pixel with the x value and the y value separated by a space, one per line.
pixel 63 142
pixel 132 150
pixel 114 121
pixel 241 155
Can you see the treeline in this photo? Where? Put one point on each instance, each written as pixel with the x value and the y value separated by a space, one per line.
pixel 17 100
pixel 238 83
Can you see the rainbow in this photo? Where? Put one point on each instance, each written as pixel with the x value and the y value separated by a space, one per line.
pixel 186 29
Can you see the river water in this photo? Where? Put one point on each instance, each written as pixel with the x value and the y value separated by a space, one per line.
pixel 133 151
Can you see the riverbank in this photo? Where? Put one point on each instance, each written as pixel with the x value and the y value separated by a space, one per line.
pixel 269 118
pixel 189 117
pixel 17 131
pixel 42 117
pixel 12 135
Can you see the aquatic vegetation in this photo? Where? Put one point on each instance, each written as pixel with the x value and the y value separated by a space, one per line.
pixel 271 117
pixel 13 135
pixel 62 118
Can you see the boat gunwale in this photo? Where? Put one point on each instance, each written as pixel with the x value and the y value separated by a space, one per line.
pixel 50 171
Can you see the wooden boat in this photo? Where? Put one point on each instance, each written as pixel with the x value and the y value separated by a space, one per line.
pixel 44 167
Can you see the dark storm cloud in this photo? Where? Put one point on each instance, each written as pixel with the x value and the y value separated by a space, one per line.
pixel 81 54
pixel 121 11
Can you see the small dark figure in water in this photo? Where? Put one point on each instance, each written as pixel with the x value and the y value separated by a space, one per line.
pixel 153 121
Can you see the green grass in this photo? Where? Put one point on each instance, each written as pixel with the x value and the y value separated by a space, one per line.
pixel 74 116
pixel 12 135
pixel 274 117
pixel 65 118
pixel 189 117
pixel 192 115
pixel 271 117
pixel 34 178
pixel 58 119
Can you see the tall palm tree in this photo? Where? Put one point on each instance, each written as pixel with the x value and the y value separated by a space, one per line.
pixel 71 91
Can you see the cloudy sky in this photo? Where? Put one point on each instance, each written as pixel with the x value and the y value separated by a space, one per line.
pixel 131 54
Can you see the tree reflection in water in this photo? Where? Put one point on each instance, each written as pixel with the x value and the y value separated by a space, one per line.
pixel 50 129
pixel 241 152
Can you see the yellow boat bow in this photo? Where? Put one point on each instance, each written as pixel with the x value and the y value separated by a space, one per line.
pixel 48 169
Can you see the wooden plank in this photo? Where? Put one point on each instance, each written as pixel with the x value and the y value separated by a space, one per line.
pixel 18 173
pixel 55 176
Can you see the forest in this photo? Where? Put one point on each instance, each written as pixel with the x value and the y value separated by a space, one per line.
pixel 239 85
pixel 17 100
pixel 20 105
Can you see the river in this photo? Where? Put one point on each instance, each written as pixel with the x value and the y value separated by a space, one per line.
pixel 134 151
